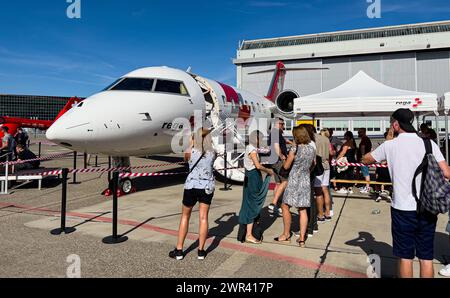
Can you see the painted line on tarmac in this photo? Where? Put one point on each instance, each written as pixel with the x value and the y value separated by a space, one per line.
pixel 223 244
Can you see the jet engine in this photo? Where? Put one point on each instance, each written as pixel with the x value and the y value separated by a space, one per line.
pixel 285 103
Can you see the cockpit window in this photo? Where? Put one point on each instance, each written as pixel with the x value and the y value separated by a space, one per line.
pixel 171 87
pixel 133 84
pixel 113 84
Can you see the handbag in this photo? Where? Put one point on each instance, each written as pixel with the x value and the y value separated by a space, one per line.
pixel 318 169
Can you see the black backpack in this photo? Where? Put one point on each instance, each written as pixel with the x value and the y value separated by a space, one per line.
pixel 434 194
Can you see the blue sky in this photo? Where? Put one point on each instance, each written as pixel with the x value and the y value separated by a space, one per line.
pixel 44 52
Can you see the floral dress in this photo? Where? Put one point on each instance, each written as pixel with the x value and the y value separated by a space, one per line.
pixel 298 190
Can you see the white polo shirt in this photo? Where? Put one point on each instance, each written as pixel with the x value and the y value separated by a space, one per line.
pixel 404 154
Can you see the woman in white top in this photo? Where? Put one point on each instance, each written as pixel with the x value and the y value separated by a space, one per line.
pixel 199 187
pixel 255 188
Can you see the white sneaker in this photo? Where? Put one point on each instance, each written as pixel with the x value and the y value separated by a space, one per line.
pixel 350 191
pixel 343 191
pixel 364 190
pixel 378 199
pixel 331 213
pixel 445 271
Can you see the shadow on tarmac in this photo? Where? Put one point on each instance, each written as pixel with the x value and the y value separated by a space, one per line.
pixel 148 183
pixel 367 242
pixel 170 159
pixel 442 248
pixel 369 245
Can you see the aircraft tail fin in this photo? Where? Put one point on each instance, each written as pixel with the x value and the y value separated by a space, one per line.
pixel 72 101
pixel 279 74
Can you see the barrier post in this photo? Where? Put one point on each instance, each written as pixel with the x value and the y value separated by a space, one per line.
pixel 74 174
pixel 85 157
pixel 109 167
pixel 40 147
pixel 6 175
pixel 114 238
pixel 63 228
pixel 96 161
pixel 225 160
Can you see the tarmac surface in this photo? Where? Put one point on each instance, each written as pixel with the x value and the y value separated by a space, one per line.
pixel 150 218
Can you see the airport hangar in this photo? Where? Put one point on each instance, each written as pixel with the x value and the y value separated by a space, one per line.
pixel 32 107
pixel 413 57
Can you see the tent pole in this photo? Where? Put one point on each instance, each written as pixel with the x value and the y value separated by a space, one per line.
pixel 437 128
pixel 446 135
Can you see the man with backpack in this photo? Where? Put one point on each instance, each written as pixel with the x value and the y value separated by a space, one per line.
pixel 413 228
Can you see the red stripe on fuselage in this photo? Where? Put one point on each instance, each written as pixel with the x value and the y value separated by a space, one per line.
pixel 232 95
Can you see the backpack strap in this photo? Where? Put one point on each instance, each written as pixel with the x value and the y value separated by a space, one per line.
pixel 422 169
pixel 428 147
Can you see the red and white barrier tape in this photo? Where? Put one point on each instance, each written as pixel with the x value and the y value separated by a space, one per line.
pixel 44 143
pixel 48 157
pixel 352 164
pixel 103 170
pixel 127 175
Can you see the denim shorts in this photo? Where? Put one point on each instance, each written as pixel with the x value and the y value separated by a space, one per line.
pixel 413 235
pixel 365 172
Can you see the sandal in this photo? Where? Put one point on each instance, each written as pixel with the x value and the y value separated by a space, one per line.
pixel 288 240
pixel 252 241
pixel 302 244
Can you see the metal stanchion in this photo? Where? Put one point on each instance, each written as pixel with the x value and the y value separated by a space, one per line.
pixel 114 238
pixel 5 190
pixel 109 167
pixel 74 175
pixel 85 156
pixel 63 228
pixel 40 147
pixel 96 161
pixel 225 159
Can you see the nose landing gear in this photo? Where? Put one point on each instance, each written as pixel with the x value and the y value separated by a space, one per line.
pixel 126 187
pixel 125 184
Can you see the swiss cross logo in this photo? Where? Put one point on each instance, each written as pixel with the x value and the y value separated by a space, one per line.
pixel 418 103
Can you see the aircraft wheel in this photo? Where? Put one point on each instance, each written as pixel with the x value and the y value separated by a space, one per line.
pixel 126 185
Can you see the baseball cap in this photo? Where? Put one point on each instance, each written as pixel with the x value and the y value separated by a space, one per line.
pixel 405 118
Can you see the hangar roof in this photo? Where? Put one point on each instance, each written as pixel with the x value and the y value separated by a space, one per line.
pixel 403 38
pixel 393 31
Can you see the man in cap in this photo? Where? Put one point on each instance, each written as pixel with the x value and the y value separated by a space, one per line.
pixel 412 233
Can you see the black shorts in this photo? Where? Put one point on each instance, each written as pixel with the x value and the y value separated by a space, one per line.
pixel 413 235
pixel 192 196
pixel 277 169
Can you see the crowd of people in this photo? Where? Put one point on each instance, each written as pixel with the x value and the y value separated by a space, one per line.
pixel 302 176
pixel 15 148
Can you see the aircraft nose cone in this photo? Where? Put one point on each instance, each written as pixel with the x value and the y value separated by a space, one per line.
pixel 57 134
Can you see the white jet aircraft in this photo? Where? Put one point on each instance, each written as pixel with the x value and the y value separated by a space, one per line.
pixel 136 115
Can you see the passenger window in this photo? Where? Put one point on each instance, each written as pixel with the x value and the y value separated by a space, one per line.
pixel 134 84
pixel 171 87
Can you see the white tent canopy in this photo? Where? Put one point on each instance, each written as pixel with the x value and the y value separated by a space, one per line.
pixel 364 96
pixel 446 103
